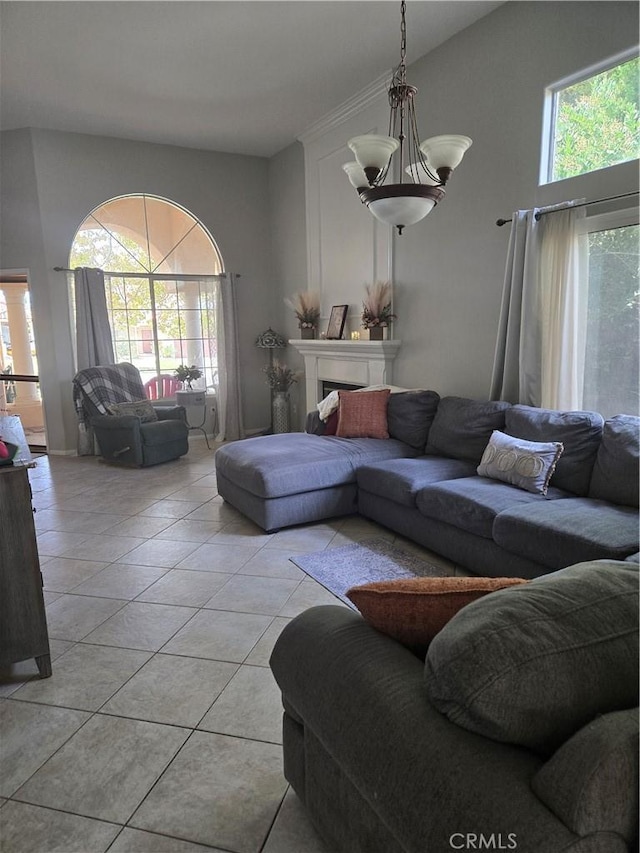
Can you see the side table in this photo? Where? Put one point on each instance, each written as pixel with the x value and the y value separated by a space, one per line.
pixel 196 400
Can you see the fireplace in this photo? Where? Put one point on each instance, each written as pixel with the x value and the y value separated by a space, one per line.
pixel 345 364
pixel 329 385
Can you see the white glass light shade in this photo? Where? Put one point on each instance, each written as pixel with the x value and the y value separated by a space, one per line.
pixel 373 151
pixel 401 210
pixel 356 174
pixel 416 170
pixel 445 151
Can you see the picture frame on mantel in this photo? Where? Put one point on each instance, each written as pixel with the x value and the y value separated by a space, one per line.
pixel 336 322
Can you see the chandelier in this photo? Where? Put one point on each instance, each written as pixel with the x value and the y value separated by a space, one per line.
pixel 423 167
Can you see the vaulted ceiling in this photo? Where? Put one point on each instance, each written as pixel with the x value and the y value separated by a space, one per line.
pixel 243 76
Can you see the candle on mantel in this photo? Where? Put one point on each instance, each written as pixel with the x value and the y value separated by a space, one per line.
pixel 355 336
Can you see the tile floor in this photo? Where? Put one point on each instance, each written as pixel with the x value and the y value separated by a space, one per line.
pixel 160 728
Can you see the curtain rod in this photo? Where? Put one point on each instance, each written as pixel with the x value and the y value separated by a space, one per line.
pixel 501 222
pixel 161 276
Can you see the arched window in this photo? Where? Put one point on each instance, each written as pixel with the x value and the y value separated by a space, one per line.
pixel 161 267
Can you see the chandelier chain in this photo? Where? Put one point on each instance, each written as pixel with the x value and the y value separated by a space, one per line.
pixel 403 36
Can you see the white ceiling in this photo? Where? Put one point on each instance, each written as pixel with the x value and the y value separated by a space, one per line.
pixel 241 76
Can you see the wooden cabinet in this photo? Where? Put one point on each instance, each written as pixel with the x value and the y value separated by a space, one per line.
pixel 23 624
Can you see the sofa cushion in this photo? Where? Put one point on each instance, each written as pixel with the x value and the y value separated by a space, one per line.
pixel 273 466
pixel 410 415
pixel 363 414
pixel 591 782
pixel 534 663
pixel 462 428
pixel 399 480
pixel 528 465
pixel 616 471
pixel 140 408
pixel 413 610
pixel 579 432
pixel 472 503
pixel 567 531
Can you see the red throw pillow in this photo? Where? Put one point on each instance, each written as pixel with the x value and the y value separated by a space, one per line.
pixel 413 610
pixel 363 414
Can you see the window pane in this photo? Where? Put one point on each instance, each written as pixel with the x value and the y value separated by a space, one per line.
pixel 611 362
pixel 596 122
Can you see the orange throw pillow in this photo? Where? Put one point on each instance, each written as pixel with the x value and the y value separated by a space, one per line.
pixel 413 610
pixel 363 414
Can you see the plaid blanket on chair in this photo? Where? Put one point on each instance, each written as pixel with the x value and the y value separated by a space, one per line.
pixel 95 388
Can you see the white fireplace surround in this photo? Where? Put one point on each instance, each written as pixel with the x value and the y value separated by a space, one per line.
pixel 353 362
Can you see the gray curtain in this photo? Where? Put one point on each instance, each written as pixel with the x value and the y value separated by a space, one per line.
pixel 94 344
pixel 539 359
pixel 93 332
pixel 517 361
pixel 230 401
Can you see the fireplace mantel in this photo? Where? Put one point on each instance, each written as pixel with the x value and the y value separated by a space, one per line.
pixel 355 362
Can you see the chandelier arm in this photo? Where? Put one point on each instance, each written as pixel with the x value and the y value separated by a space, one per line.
pixel 420 158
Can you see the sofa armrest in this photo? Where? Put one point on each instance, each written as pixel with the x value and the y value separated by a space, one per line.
pixel 591 782
pixel 362 696
pixel 313 425
pixel 169 413
pixel 119 437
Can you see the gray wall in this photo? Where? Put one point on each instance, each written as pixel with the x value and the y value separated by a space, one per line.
pixel 52 180
pixel 486 82
pixel 289 240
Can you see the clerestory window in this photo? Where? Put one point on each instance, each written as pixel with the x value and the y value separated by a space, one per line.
pixel 591 120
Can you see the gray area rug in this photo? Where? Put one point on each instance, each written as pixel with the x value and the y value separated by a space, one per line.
pixel 338 569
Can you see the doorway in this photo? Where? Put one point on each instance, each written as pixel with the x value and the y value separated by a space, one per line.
pixel 19 378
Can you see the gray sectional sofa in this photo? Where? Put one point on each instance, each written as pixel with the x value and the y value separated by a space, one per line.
pixel 423 483
pixel 519 731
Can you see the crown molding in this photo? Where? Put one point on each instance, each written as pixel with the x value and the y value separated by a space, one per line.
pixel 352 106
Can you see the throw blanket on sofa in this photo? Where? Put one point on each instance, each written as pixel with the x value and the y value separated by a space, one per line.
pixel 96 388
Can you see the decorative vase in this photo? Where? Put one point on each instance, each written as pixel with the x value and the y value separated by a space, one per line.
pixel 280 411
pixel 307 333
pixel 376 333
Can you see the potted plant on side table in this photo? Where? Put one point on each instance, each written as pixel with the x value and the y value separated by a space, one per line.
pixel 189 396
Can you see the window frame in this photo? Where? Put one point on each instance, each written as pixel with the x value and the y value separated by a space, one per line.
pixel 549 112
